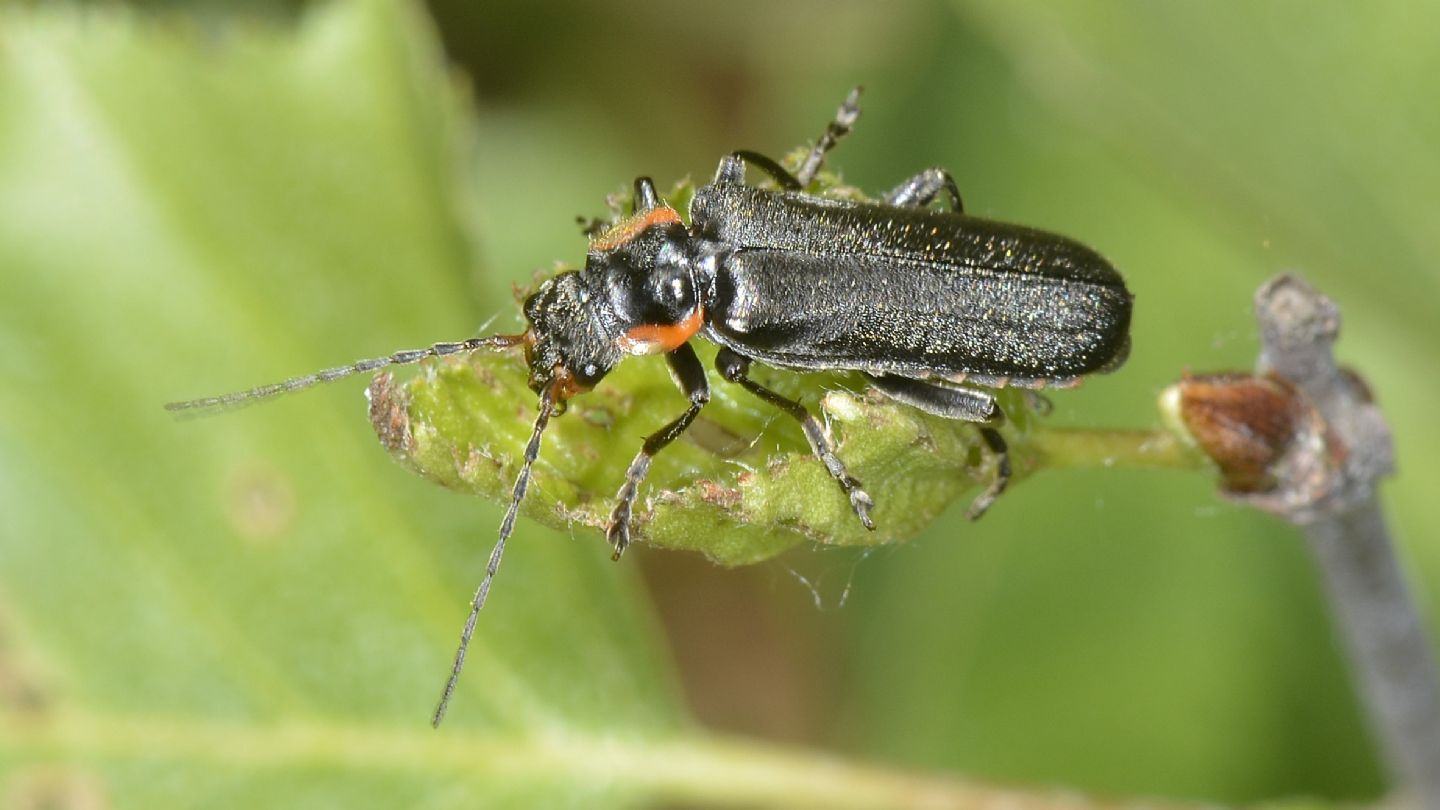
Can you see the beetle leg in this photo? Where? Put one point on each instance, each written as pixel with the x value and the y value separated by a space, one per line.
pixel 1038 402
pixel 645 197
pixel 732 170
pixel 732 166
pixel 591 226
pixel 844 120
pixel 736 369
pixel 690 375
pixel 996 443
pixel 967 404
pixel 919 191
pixel 946 401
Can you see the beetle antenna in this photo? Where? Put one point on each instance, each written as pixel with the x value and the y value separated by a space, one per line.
pixel 239 399
pixel 547 407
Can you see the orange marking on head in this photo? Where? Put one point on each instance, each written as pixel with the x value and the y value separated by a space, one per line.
pixel 656 338
pixel 563 385
pixel 632 226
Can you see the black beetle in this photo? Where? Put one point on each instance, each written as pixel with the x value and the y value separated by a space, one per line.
pixel 934 307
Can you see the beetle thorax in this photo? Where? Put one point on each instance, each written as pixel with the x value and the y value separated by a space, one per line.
pixel 648 282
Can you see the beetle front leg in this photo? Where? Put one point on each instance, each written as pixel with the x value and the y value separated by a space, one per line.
pixel 965 404
pixel 736 369
pixel 690 375
pixel 919 191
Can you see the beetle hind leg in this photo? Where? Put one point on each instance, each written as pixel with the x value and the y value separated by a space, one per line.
pixel 964 404
pixel 922 189
pixel 839 127
pixel 736 369
pixel 1001 453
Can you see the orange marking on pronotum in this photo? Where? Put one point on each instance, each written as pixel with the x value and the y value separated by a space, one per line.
pixel 655 338
pixel 631 227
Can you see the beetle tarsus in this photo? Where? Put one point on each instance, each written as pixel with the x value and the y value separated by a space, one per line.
pixel 922 189
pixel 860 501
pixel 839 127
pixel 617 533
pixel 996 444
pixel 1038 402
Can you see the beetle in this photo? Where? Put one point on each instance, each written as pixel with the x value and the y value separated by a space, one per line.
pixel 936 308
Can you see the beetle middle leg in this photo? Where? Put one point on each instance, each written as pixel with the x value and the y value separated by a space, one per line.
pixel 922 189
pixel 732 170
pixel 690 375
pixel 732 167
pixel 735 368
pixel 966 404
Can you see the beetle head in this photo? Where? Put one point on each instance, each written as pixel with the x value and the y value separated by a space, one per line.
pixel 570 345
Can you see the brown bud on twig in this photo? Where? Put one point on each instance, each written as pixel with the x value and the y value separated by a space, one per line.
pixel 1302 437
pixel 1247 424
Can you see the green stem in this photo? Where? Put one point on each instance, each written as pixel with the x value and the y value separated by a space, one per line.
pixel 734 772
pixel 713 770
pixel 1060 448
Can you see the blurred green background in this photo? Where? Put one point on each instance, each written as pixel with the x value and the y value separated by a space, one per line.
pixel 257 610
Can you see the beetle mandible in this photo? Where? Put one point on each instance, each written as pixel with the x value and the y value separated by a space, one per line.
pixel 934 307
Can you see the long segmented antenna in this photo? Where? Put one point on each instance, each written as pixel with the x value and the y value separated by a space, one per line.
pixel 532 450
pixel 240 399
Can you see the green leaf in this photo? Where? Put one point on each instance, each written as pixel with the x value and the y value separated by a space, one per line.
pixel 742 488
pixel 259 610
